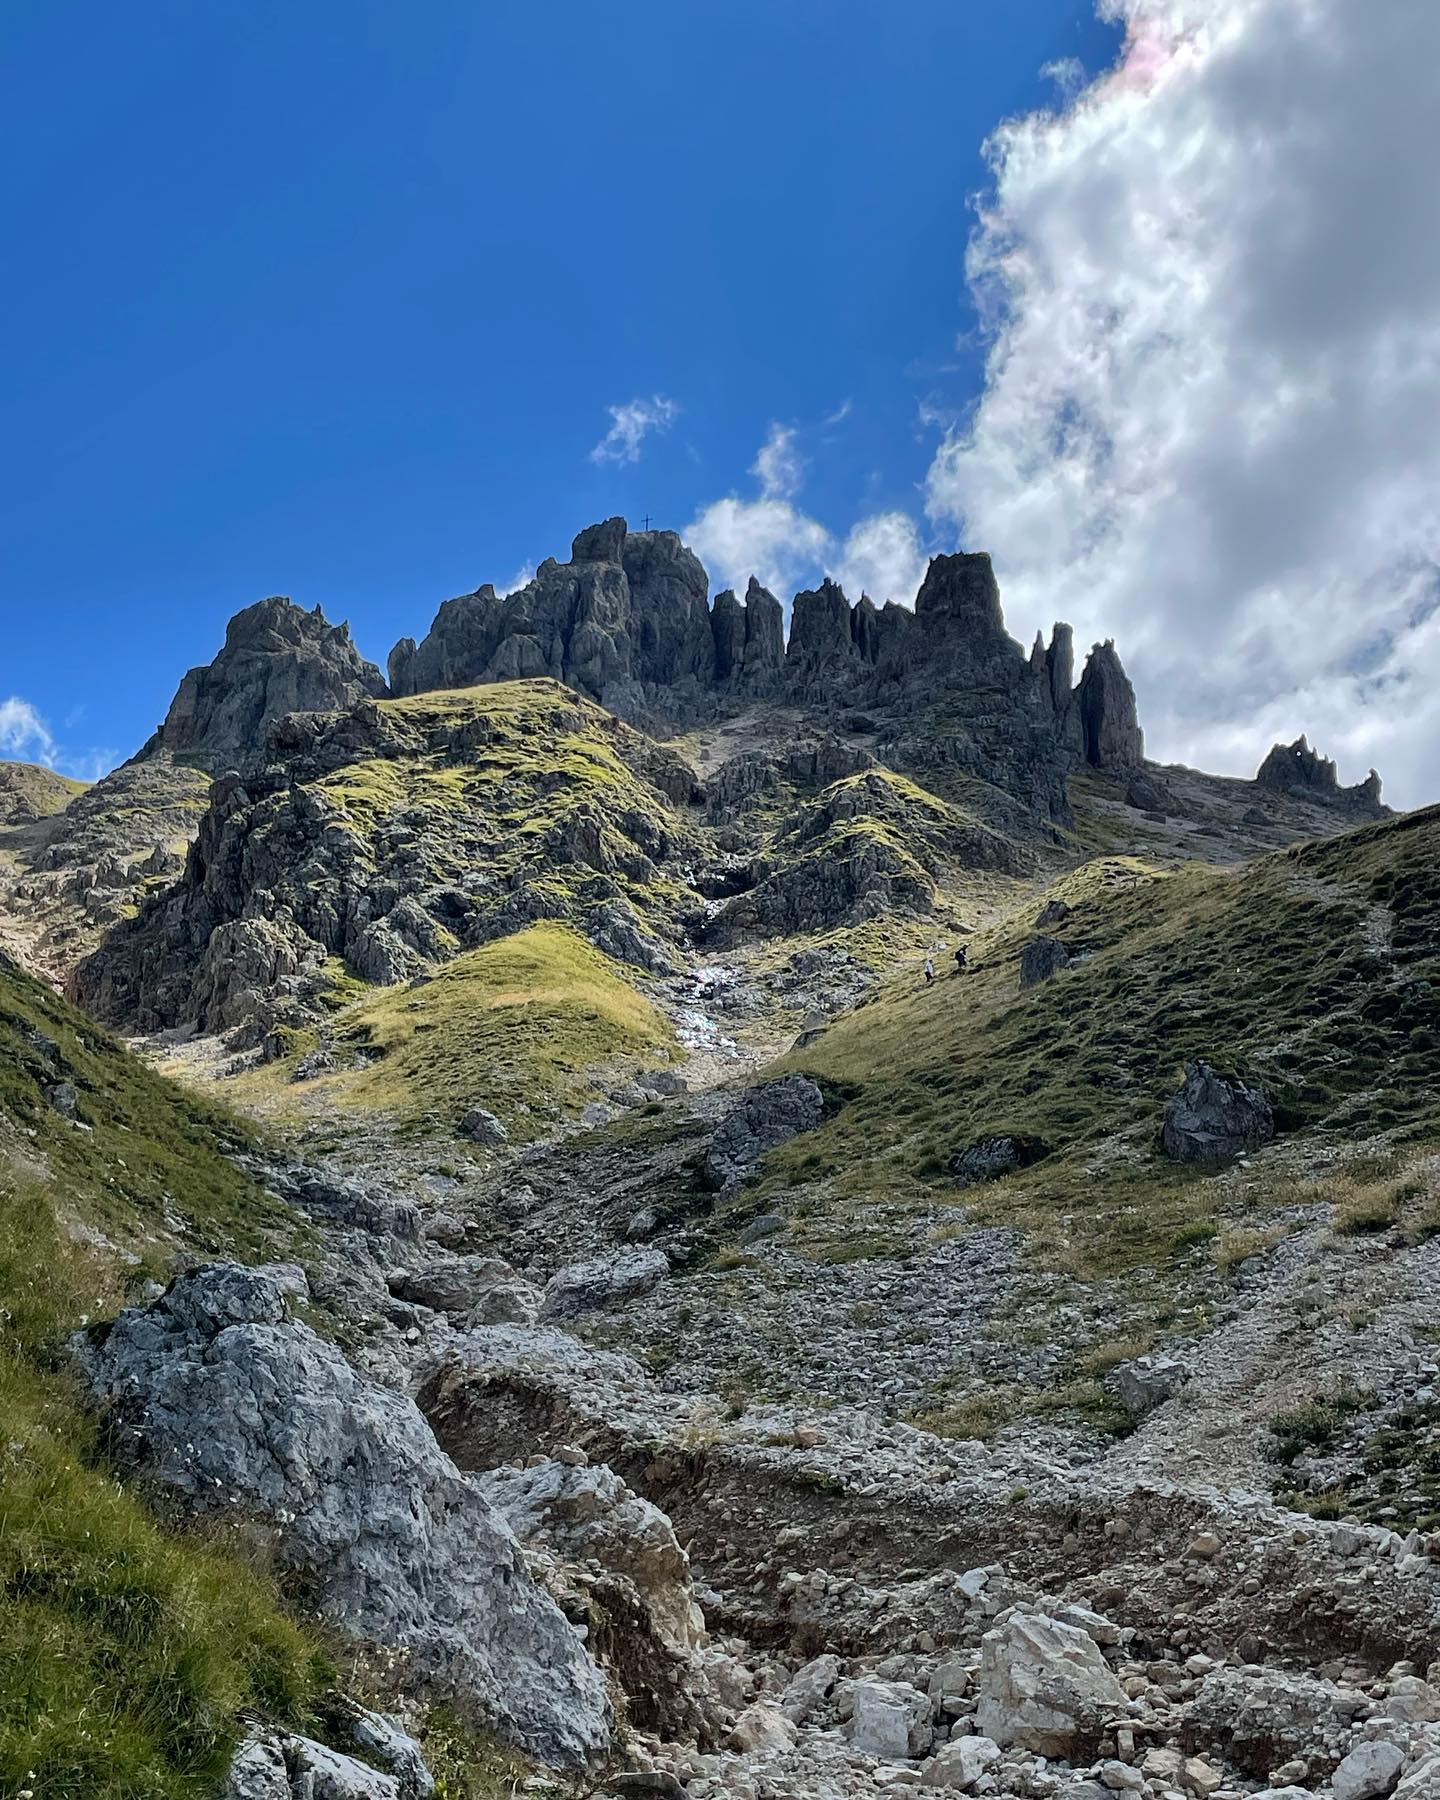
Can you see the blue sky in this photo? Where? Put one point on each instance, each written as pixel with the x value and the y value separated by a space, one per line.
pixel 333 300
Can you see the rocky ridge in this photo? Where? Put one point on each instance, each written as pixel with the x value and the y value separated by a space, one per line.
pixel 677 1436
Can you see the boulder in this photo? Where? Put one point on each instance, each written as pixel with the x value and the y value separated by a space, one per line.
pixel 645 1626
pixel 1421 1780
pixel 891 1721
pixel 480 1290
pixel 763 1729
pixel 961 1763
pixel 763 1118
pixel 1211 1120
pixel 1267 1716
pixel 1148 1382
pixel 1041 958
pixel 1368 1772
pixel 1044 1686
pixel 273 1765
pixel 231 1407
pixel 482 1127
pixel 809 1687
pixel 1145 793
pixel 991 1158
pixel 604 1281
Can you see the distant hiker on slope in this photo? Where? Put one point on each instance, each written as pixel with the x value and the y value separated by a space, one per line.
pixel 929 971
pixel 962 959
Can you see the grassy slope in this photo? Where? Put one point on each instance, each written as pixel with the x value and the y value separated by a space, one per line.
pixel 1317 969
pixel 36 789
pixel 510 764
pixel 125 1652
pixel 508 1026
pixel 128 1650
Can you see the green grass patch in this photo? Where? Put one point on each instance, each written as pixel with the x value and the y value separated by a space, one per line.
pixel 509 1026
pixel 127 1651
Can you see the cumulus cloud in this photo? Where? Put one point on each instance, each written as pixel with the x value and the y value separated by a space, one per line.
pixel 770 539
pixel 630 425
pixel 881 556
pixel 1208 425
pixel 785 549
pixel 23 733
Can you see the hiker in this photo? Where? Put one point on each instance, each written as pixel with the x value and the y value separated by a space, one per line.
pixel 929 971
pixel 962 959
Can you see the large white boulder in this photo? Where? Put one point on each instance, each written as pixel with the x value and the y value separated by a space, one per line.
pixel 891 1721
pixel 1044 1686
pixel 1368 1772
pixel 961 1763
pixel 217 1395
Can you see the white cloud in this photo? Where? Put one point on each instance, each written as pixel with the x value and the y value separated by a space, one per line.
pixel 1068 74
pixel 779 466
pixel 522 577
pixel 630 424
pixel 1209 424
pixel 785 549
pixel 24 735
pixel 770 539
pixel 882 557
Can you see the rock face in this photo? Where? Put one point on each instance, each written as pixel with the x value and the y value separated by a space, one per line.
pixel 277 659
pixel 1045 1686
pixel 629 609
pixel 1109 724
pixel 586 1515
pixel 1211 1120
pixel 229 1405
pixel 1303 774
pixel 626 621
pixel 384 836
pixel 764 1117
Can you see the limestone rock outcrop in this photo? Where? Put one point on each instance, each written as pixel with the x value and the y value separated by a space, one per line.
pixel 1109 722
pixel 627 621
pixel 639 1594
pixel 277 659
pixel 1303 774
pixel 227 1404
pixel 1211 1120
pixel 761 1119
pixel 384 836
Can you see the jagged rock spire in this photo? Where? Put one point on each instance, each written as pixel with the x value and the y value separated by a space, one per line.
pixel 1111 734
pixel 277 658
pixel 1298 770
